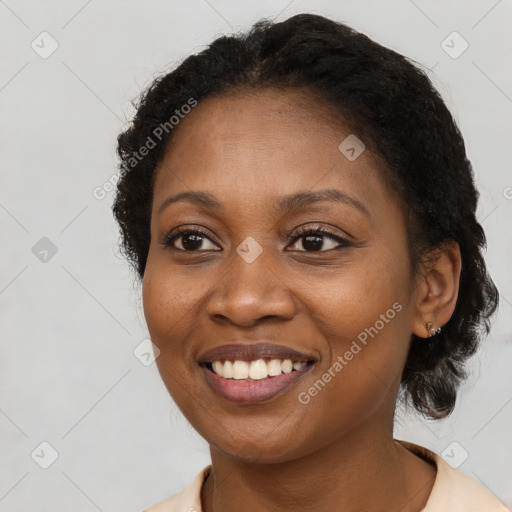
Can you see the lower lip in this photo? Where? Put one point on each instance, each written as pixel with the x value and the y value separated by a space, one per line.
pixel 253 391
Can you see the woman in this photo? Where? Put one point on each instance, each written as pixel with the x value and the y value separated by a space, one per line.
pixel 299 207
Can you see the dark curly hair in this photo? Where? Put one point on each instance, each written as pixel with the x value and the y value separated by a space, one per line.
pixel 388 102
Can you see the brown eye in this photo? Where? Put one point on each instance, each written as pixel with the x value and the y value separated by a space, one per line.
pixel 189 240
pixel 317 240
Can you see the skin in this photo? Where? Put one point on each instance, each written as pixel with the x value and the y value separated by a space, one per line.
pixel 337 452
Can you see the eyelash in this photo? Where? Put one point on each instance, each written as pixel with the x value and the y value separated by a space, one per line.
pixel 169 239
pixel 305 231
pixel 301 232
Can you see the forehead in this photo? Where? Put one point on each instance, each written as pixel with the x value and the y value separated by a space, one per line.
pixel 248 147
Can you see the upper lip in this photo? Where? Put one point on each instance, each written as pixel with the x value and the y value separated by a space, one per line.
pixel 256 350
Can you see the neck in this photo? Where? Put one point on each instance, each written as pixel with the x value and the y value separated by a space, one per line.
pixel 358 472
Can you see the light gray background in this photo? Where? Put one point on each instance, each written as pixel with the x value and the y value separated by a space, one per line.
pixel 70 325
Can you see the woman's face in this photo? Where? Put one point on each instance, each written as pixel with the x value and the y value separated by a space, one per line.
pixel 261 283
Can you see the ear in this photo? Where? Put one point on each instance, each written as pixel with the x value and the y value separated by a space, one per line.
pixel 437 288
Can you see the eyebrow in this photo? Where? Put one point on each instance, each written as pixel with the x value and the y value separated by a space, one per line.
pixel 301 199
pixel 282 205
pixel 204 199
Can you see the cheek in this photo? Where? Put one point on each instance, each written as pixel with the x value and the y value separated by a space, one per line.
pixel 364 318
pixel 170 306
pixel 168 299
pixel 357 296
pixel 168 310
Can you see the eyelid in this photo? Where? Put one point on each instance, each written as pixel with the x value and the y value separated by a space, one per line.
pixel 307 229
pixel 183 229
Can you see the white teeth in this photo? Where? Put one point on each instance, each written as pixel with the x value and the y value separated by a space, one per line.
pixel 240 370
pixel 227 371
pixel 218 368
pixel 255 370
pixel 258 369
pixel 274 367
pixel 287 366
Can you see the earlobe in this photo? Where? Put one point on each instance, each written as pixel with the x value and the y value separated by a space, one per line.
pixel 438 289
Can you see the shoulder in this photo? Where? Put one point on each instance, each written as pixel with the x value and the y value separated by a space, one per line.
pixel 188 500
pixel 454 491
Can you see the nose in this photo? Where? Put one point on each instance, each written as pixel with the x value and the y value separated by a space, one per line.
pixel 250 292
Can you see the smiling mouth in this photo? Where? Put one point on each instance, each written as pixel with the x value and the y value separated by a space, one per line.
pixel 256 381
pixel 253 373
pixel 257 369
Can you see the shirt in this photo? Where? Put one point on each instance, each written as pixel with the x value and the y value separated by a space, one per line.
pixel 453 491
